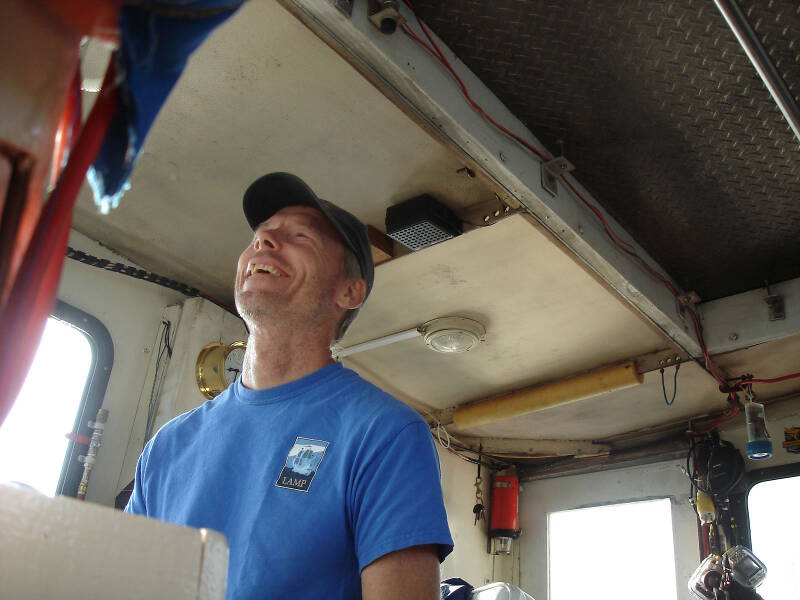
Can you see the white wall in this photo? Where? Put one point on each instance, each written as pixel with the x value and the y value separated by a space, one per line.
pixel 202 323
pixel 131 310
pixel 538 498
pixel 469 559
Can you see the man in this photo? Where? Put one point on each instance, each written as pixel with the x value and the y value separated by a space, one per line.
pixel 324 486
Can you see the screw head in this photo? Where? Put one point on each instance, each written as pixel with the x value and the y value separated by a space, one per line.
pixel 502 157
pixel 733 336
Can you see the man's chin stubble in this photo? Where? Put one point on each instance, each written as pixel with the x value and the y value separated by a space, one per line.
pixel 253 310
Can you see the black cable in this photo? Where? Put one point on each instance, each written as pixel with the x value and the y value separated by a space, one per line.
pixel 122 269
pixel 695 477
pixel 487 461
pixel 167 326
pixel 671 401
pixel 163 347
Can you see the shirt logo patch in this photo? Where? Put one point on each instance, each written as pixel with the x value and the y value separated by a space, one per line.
pixel 302 464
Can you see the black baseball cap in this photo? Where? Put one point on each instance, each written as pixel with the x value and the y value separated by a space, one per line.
pixel 274 191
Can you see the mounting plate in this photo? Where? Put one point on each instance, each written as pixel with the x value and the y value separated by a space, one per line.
pixel 344 6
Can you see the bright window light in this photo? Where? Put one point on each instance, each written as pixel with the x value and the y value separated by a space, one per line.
pixel 32 438
pixel 621 551
pixel 774 523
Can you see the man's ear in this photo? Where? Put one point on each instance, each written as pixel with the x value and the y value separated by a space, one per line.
pixel 351 293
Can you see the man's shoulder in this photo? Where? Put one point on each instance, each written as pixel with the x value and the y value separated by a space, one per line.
pixel 365 399
pixel 188 422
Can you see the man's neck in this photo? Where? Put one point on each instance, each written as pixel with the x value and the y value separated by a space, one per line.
pixel 275 357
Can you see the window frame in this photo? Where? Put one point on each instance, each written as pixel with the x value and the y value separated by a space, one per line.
pixel 94 390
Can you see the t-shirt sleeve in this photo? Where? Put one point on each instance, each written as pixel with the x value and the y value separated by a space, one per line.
pixel 136 503
pixel 396 497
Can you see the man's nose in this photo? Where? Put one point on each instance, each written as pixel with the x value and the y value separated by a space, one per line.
pixel 266 239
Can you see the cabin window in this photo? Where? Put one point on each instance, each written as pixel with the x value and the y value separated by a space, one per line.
pixel 774 523
pixel 622 551
pixel 64 388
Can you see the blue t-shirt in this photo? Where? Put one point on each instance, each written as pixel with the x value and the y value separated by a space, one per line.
pixel 310 482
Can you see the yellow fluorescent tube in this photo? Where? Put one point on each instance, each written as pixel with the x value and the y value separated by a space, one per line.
pixel 547 395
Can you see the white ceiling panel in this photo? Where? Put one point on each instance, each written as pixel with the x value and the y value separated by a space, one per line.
pixel 545 317
pixel 265 94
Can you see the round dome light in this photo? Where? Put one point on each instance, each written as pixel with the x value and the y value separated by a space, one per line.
pixel 453 335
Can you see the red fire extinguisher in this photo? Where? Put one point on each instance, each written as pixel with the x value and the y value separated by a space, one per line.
pixel 504 518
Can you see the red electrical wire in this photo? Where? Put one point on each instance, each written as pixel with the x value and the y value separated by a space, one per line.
pixel 723 417
pixel 772 380
pixel 437 53
pixel 434 50
pixel 706 531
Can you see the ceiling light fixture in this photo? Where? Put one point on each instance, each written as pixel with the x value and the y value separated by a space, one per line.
pixel 453 335
pixel 448 335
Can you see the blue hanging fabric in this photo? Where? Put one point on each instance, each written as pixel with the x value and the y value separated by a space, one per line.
pixel 156 40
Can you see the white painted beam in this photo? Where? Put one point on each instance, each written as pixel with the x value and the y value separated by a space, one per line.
pixel 423 89
pixel 742 320
pixel 536 448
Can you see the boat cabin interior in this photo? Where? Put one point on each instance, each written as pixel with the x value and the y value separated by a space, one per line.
pixel 585 224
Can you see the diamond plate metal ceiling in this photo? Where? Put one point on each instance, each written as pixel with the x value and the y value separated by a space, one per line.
pixel 662 113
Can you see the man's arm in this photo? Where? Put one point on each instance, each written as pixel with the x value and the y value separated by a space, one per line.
pixel 409 573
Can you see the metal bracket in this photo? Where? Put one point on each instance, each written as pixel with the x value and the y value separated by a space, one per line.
pixel 489 212
pixel 344 6
pixel 549 182
pixel 552 170
pixel 660 359
pixel 558 166
pixel 777 312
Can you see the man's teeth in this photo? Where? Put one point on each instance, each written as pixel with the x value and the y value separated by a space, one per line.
pixel 263 269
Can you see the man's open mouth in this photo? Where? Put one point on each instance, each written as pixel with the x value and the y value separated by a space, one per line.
pixel 262 268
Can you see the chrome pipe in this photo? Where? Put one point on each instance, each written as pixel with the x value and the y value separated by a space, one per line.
pixel 98 427
pixel 760 59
